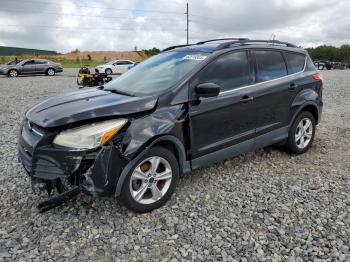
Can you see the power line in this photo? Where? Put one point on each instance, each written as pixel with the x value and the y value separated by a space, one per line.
pixel 100 7
pixel 187 22
pixel 82 15
pixel 66 28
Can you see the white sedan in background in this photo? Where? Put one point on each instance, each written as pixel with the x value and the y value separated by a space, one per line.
pixel 115 67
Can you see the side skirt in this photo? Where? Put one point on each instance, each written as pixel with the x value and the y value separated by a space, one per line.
pixel 267 139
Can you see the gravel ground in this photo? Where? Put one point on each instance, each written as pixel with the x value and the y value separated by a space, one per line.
pixel 267 205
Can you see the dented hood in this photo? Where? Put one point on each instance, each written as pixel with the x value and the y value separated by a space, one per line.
pixel 67 108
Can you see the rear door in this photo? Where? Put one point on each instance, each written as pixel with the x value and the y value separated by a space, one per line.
pixel 123 66
pixel 119 67
pixel 296 64
pixel 40 65
pixel 219 123
pixel 274 91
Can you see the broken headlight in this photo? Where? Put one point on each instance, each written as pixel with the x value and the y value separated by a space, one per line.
pixel 89 136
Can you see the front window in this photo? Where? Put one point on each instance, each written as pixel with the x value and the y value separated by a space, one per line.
pixel 158 73
pixel 229 71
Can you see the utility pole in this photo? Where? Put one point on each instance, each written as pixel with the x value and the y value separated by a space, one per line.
pixel 187 22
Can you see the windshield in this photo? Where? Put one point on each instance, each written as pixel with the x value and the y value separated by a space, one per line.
pixel 14 62
pixel 110 62
pixel 157 73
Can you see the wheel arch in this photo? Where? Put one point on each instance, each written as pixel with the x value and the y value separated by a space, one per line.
pixel 11 69
pixel 170 142
pixel 309 106
pixel 50 67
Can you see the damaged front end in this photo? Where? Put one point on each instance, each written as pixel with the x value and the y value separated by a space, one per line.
pixel 69 171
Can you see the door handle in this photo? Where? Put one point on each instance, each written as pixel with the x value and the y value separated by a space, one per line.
pixel 292 86
pixel 246 99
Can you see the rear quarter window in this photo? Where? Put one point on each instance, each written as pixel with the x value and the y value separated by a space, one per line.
pixel 295 62
pixel 270 65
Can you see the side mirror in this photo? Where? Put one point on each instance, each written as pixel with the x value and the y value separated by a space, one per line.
pixel 207 90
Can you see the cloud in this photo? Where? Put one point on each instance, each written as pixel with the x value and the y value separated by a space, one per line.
pixel 121 25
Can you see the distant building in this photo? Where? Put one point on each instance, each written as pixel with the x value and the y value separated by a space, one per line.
pixel 6 50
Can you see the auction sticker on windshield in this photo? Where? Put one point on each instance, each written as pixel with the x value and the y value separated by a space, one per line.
pixel 194 57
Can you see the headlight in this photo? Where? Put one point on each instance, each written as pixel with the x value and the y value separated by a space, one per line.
pixel 89 136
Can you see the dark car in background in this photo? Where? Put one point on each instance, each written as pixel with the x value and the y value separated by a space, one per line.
pixel 340 65
pixel 183 109
pixel 31 66
pixel 323 64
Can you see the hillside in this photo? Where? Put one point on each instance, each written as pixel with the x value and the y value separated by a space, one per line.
pixel 10 51
pixel 104 55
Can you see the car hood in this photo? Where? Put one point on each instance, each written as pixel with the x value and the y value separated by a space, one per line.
pixel 71 107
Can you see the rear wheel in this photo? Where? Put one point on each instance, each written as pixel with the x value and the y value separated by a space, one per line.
pixel 13 73
pixel 108 71
pixel 50 72
pixel 301 133
pixel 151 182
pixel 321 67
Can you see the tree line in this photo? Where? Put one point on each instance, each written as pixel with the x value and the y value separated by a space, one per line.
pixel 331 53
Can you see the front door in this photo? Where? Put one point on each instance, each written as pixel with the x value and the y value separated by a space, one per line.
pixel 223 126
pixel 29 67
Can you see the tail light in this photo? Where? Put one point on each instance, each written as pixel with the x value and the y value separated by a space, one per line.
pixel 317 77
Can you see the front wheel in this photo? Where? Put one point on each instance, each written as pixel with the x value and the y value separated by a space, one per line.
pixel 13 73
pixel 301 133
pixel 108 71
pixel 151 182
pixel 50 72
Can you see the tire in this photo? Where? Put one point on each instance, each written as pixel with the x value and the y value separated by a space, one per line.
pixel 108 71
pixel 50 72
pixel 301 145
pixel 146 181
pixel 320 67
pixel 13 73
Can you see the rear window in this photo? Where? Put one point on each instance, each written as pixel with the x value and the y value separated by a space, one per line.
pixel 270 65
pixel 309 65
pixel 295 62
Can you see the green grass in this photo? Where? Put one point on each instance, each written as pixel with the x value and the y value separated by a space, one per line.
pixel 74 64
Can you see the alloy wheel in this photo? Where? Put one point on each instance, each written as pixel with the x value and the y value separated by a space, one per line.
pixel 50 72
pixel 150 180
pixel 303 133
pixel 13 73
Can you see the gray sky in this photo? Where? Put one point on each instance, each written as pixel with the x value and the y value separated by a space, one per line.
pixel 122 24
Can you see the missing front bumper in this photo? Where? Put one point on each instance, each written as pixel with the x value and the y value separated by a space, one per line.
pixel 59 199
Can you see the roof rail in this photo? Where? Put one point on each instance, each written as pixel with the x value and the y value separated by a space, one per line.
pixel 243 42
pixel 175 46
pixel 238 41
pixel 203 42
pixel 220 39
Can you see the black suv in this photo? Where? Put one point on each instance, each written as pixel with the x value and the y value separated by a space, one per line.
pixel 188 107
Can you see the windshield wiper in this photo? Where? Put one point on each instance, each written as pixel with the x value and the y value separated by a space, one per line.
pixel 115 91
